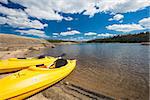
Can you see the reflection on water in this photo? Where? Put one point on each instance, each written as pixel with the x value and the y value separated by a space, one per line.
pixel 118 70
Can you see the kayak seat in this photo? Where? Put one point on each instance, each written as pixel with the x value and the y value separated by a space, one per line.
pixel 60 62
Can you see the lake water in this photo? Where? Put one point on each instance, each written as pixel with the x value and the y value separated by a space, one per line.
pixel 114 69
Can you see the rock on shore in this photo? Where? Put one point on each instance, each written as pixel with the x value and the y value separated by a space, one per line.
pixel 9 42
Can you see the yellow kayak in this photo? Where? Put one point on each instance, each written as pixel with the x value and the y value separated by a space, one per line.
pixel 29 81
pixel 14 64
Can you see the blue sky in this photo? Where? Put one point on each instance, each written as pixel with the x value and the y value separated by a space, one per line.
pixel 74 19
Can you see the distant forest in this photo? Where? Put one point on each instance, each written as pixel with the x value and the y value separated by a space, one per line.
pixel 129 38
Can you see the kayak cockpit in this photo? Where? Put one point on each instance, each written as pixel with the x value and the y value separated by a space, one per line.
pixel 57 64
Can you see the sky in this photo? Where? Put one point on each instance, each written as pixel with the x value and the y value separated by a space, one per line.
pixel 74 19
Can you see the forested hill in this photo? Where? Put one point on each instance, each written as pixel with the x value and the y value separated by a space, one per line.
pixel 129 38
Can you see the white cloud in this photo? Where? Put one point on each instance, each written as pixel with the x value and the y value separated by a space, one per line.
pixel 106 35
pixel 68 18
pixel 43 9
pixel 48 9
pixel 19 19
pixel 70 6
pixel 145 22
pixel 76 38
pixel 99 35
pixel 90 33
pixel 3 20
pixel 12 12
pixel 122 6
pixel 117 17
pixel 91 9
pixel 31 31
pixel 125 27
pixel 55 34
pixel 34 32
pixel 72 32
pixel 69 28
pixel 120 21
pixel 110 19
pixel 22 22
pixel 4 1
pixel 43 13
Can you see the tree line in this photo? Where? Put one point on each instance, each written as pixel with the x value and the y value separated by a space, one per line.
pixel 129 38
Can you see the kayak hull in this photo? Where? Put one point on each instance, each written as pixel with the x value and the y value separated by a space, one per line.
pixel 25 95
pixel 29 81
pixel 11 70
